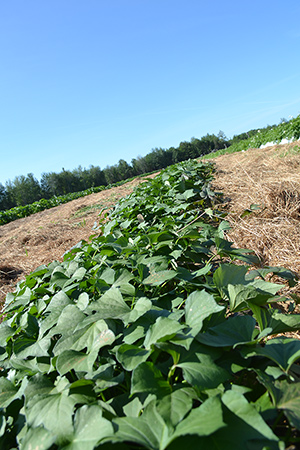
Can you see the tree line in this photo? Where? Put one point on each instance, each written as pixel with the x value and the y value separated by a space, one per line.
pixel 27 189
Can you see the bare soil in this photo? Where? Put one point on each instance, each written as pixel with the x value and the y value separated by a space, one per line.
pixel 268 178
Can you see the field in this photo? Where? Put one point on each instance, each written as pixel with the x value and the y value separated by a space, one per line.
pixel 269 180
pixel 269 177
pixel 45 236
pixel 176 325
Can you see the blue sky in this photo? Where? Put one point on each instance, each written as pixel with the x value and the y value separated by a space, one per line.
pixel 91 82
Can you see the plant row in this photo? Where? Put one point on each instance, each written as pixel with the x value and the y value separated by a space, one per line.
pixel 151 336
pixel 19 212
pixel 24 190
pixel 27 189
pixel 286 130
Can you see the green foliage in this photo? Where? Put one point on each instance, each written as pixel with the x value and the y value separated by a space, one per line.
pixel 5 201
pixel 23 211
pixel 149 337
pixel 255 138
pixel 25 190
pixel 26 210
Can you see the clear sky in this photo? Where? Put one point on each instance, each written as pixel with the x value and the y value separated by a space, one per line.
pixel 92 81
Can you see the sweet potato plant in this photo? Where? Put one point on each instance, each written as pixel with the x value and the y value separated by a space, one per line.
pixel 156 334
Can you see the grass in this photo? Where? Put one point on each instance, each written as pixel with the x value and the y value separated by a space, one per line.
pixel 80 224
pixel 290 151
pixel 85 210
pixel 89 209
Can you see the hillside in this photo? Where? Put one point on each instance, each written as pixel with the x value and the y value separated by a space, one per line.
pixel 269 178
pixel 43 237
pixel 159 320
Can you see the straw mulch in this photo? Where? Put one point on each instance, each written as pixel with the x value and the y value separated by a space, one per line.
pixel 43 237
pixel 268 178
pixel 262 197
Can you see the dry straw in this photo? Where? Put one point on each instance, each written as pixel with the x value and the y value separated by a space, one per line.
pixel 262 197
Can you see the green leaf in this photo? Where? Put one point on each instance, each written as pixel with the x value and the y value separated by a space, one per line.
pixel 83 301
pixel 283 351
pixel 158 278
pixel 230 275
pixel 280 271
pixel 21 299
pixel 237 404
pixel 147 378
pixel 111 305
pixel 149 431
pixel 174 407
pixel 163 329
pixel 38 385
pixel 204 375
pixel 134 333
pixel 2 425
pixel 202 421
pixel 70 317
pixel 79 361
pixel 79 274
pixel 29 324
pixel 289 400
pixel 245 429
pixel 108 275
pixel 234 331
pixel 186 194
pixel 93 337
pixel 89 428
pixel 54 412
pixel 5 333
pixel 25 346
pixel 159 237
pixel 8 392
pixel 58 277
pixel 140 308
pixel 133 408
pixel 265 290
pixel 104 377
pixel 57 304
pixel 199 305
pixel 122 282
pixel 82 391
pixel 280 323
pixel 238 295
pixel 37 439
pixel 130 356
pixel 24 365
pixel 227 274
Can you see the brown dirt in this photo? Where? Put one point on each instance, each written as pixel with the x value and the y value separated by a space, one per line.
pixel 27 243
pixel 269 178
